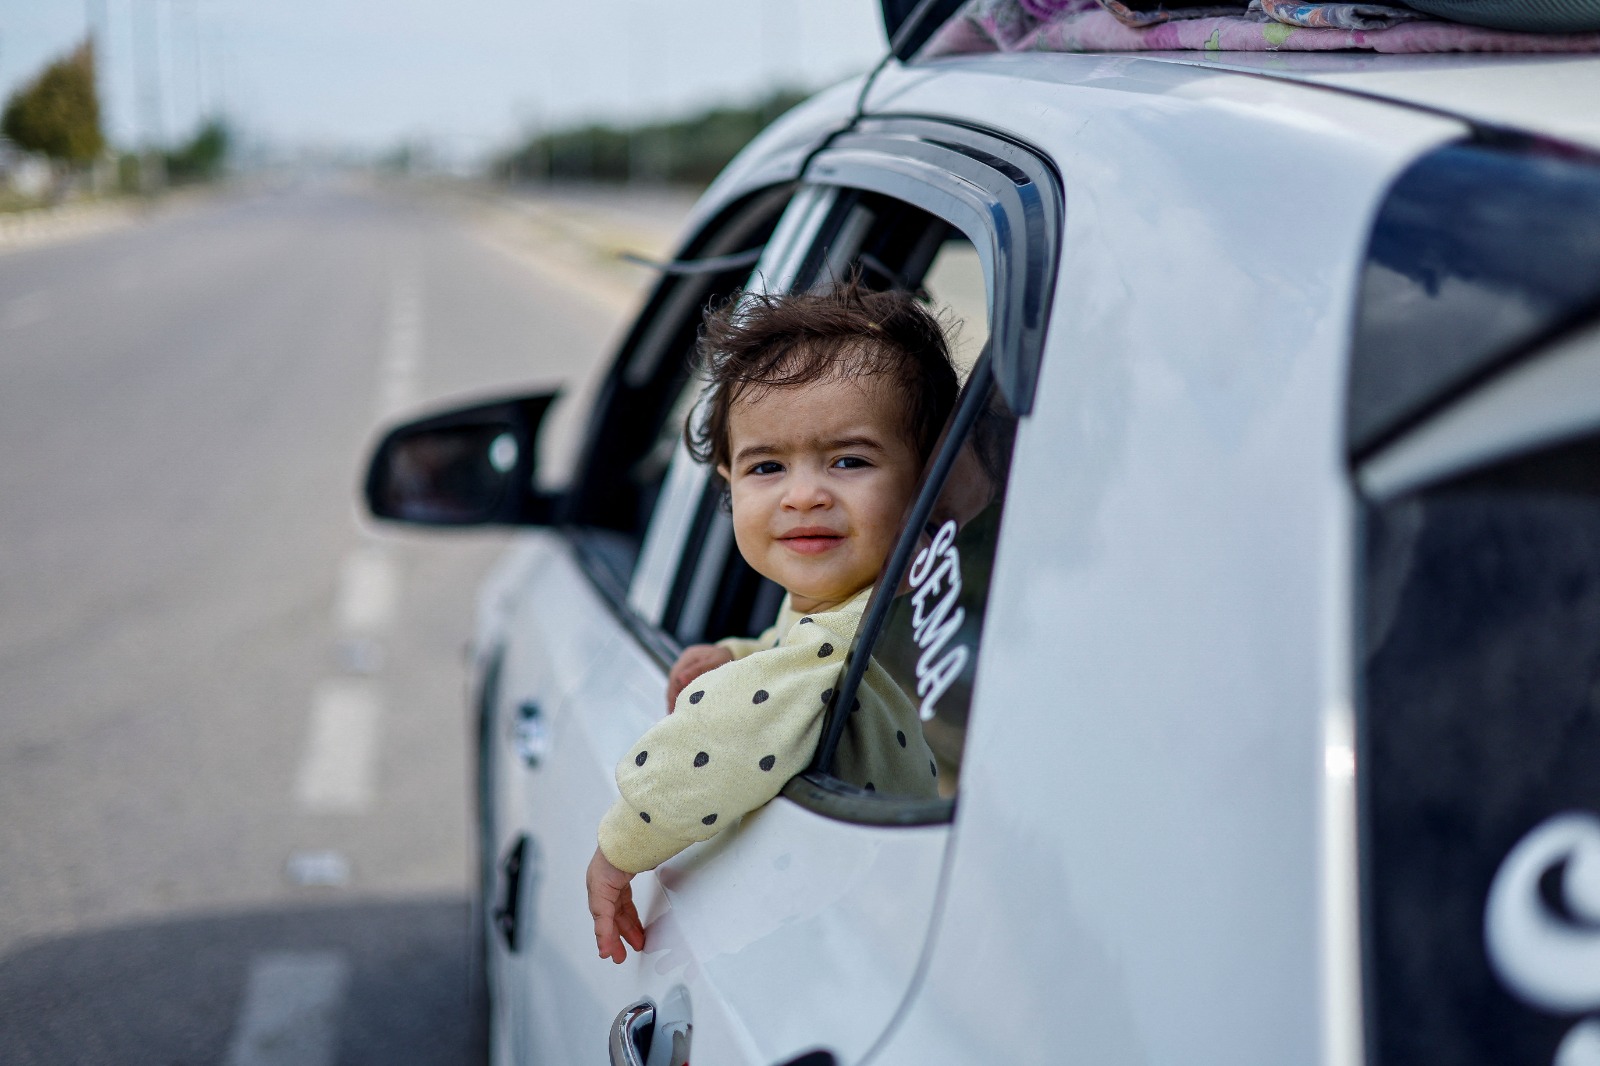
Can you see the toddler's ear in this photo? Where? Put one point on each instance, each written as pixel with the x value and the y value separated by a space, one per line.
pixel 722 472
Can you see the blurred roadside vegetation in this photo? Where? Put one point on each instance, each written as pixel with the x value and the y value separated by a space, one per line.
pixel 686 151
pixel 54 117
pixel 54 120
pixel 202 158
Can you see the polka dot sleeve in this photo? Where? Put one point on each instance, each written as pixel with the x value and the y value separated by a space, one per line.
pixel 739 647
pixel 737 734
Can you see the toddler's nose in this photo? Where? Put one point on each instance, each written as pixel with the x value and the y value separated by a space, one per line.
pixel 806 492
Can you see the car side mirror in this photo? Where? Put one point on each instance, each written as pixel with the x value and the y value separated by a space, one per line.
pixel 471 466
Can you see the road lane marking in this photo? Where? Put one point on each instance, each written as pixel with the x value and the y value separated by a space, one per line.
pixel 321 868
pixel 337 769
pixel 368 593
pixel 290 1014
pixel 402 344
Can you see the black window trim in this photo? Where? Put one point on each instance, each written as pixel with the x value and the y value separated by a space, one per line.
pixel 659 645
pixel 818 788
pixel 1421 199
pixel 1005 198
pixel 643 364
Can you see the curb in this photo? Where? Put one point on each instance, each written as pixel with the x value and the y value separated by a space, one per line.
pixel 575 246
pixel 46 225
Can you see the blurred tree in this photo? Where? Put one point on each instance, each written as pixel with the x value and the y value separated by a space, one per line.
pixel 202 158
pixel 686 151
pixel 58 114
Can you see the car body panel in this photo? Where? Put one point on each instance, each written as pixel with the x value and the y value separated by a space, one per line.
pixel 731 922
pixel 1153 798
pixel 551 634
pixel 1547 95
pixel 1554 96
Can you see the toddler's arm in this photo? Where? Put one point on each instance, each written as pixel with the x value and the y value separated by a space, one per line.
pixel 695 660
pixel 736 735
pixel 616 919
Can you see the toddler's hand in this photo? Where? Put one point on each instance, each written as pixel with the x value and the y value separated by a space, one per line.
pixel 611 905
pixel 695 660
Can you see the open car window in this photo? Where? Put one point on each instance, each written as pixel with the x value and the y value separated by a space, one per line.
pixel 970 223
pixel 627 451
pixel 902 720
pixel 903 706
pixel 889 244
pixel 682 583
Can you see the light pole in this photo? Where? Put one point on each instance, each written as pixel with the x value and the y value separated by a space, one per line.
pixel 94 17
pixel 147 65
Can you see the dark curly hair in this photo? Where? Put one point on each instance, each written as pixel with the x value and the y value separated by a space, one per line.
pixel 760 341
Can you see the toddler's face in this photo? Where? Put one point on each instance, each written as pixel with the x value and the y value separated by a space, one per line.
pixel 821 476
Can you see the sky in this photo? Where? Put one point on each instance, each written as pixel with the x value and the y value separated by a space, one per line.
pixel 466 76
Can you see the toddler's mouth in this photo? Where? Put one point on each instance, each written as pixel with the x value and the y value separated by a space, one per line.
pixel 811 540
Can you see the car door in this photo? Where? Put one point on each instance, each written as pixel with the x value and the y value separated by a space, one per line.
pixel 802 927
pixel 556 606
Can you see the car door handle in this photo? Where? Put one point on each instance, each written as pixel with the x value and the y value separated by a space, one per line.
pixel 510 907
pixel 631 1034
pixel 532 737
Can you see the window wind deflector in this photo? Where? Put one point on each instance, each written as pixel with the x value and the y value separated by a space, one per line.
pixel 714 264
pixel 908 24
pixel 1482 252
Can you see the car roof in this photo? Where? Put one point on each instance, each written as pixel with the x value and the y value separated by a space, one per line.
pixel 1556 96
pixel 1552 95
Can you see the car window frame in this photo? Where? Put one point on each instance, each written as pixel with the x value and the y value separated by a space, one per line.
pixel 644 356
pixel 669 557
pixel 647 373
pixel 1008 202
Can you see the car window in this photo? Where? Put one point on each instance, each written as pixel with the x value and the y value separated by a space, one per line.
pixel 906 738
pixel 954 284
pixel 905 716
pixel 974 230
pixel 628 445
pixel 890 244
pixel 1480 729
pixel 686 582
pixel 1479 710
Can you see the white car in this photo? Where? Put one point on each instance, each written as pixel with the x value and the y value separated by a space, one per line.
pixel 1271 731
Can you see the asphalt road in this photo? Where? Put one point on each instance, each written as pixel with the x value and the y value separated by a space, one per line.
pixel 234 824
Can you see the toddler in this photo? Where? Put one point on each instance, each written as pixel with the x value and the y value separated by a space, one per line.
pixel 823 409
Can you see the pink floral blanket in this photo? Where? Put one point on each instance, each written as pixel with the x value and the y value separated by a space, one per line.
pixel 1265 26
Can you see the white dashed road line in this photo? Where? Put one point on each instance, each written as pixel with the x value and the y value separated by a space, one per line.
pixel 368 592
pixel 337 769
pixel 402 345
pixel 291 1009
pixel 336 773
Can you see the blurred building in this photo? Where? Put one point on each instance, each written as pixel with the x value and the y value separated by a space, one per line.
pixel 22 173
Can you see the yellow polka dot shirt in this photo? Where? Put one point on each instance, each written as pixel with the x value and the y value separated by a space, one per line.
pixel 735 737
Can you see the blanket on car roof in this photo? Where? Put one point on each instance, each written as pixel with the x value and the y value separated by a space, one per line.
pixel 1263 26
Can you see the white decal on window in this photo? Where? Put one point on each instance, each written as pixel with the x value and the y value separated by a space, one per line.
pixel 936 616
pixel 1542 926
pixel 1581 1047
pixel 942 539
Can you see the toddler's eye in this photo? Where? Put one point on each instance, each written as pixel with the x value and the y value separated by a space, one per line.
pixel 768 467
pixel 850 462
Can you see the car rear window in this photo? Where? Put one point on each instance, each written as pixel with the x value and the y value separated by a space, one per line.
pixel 1480 762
